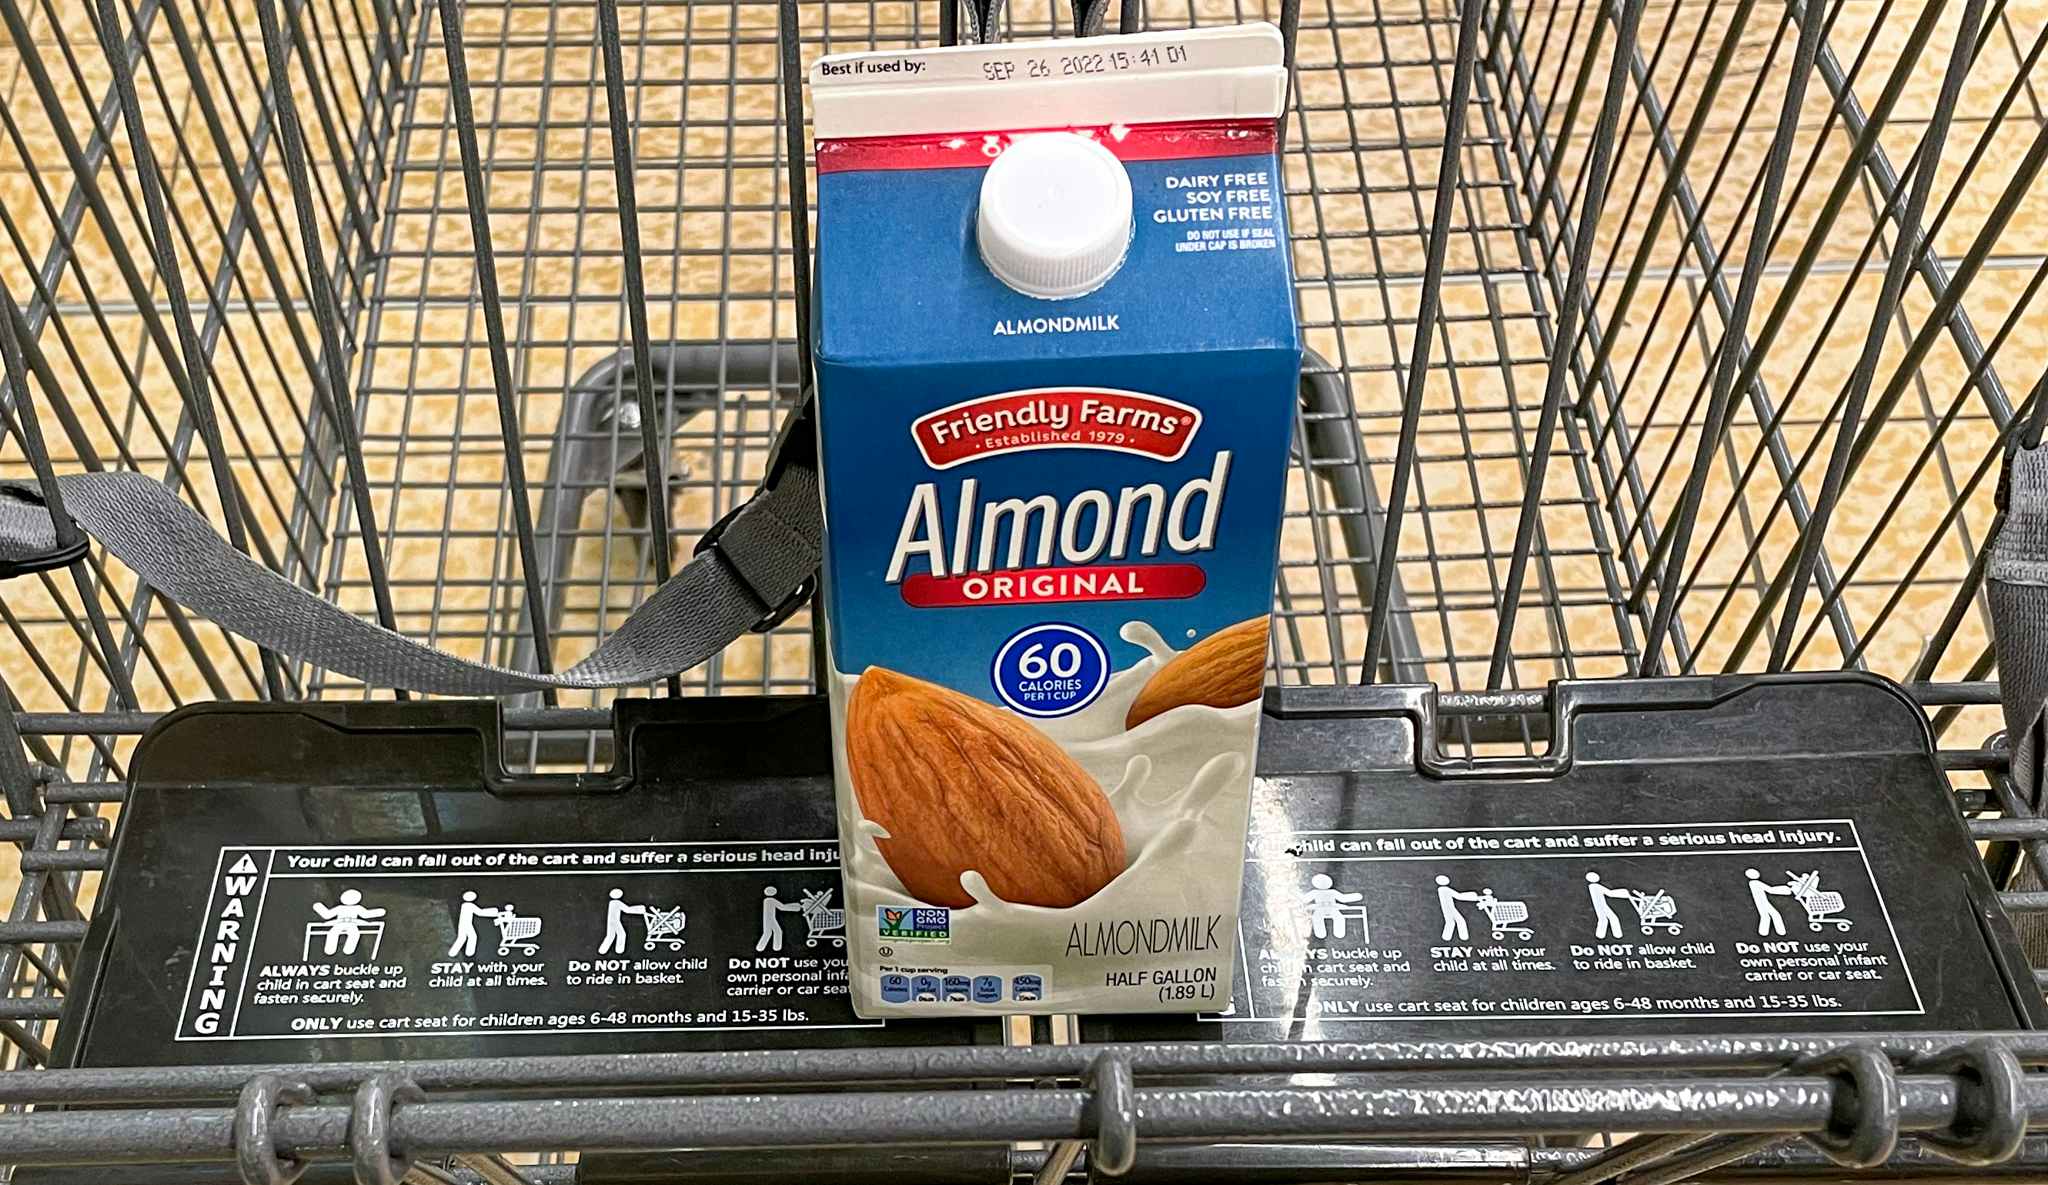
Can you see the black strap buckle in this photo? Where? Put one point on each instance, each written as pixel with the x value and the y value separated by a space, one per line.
pixel 790 604
pixel 796 443
pixel 60 555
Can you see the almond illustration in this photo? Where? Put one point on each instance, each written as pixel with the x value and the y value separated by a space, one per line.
pixel 962 785
pixel 1224 670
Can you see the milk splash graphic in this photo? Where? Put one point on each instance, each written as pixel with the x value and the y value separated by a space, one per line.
pixel 1179 785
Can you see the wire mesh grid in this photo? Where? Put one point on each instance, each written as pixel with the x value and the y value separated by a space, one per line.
pixel 1700 101
pixel 1587 476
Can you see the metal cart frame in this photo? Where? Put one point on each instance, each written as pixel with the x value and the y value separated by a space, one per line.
pixel 243 254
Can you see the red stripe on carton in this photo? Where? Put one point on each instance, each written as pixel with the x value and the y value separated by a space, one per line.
pixel 974 150
pixel 1045 586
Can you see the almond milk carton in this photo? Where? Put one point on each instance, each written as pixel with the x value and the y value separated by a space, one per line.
pixel 1057 365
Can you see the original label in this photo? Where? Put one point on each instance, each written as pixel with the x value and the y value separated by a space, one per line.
pixel 527 938
pixel 1642 920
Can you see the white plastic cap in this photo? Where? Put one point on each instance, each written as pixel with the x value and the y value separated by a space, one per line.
pixel 1055 217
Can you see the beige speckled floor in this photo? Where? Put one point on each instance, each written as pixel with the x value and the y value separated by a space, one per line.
pixel 1359 169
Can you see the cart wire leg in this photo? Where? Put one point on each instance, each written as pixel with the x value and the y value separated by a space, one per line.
pixel 1678 539
pixel 1543 157
pixel 1903 256
pixel 474 191
pixel 320 290
pixel 1637 1153
pixel 1387 558
pixel 67 537
pixel 1771 417
pixel 653 426
pixel 790 64
pixel 1566 331
pixel 1674 173
pixel 494 1169
pixel 1708 1155
pixel 1980 251
pixel 191 378
pixel 1706 255
pixel 1792 283
pixel 1982 377
pixel 1334 453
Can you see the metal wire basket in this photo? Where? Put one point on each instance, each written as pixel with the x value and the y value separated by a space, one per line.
pixel 1647 338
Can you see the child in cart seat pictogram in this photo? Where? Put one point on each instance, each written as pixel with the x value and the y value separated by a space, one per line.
pixel 345 924
pixel 1329 909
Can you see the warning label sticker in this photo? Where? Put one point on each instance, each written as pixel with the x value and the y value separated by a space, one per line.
pixel 1780 918
pixel 535 938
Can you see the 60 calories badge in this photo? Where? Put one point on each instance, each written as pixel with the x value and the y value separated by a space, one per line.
pixel 1054 669
pixel 913 923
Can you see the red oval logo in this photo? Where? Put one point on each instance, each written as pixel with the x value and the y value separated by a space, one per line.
pixel 1053 418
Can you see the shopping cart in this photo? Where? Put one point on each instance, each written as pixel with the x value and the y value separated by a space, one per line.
pixel 1504 914
pixel 1823 908
pixel 1639 349
pixel 664 927
pixel 516 932
pixel 1656 911
pixel 824 923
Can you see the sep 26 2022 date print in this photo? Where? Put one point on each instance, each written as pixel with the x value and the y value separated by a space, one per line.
pixel 1082 63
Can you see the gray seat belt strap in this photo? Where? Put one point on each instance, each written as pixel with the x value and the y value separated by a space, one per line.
pixel 2016 581
pixel 756 566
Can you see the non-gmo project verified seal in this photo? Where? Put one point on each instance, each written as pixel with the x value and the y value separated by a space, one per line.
pixel 914 924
